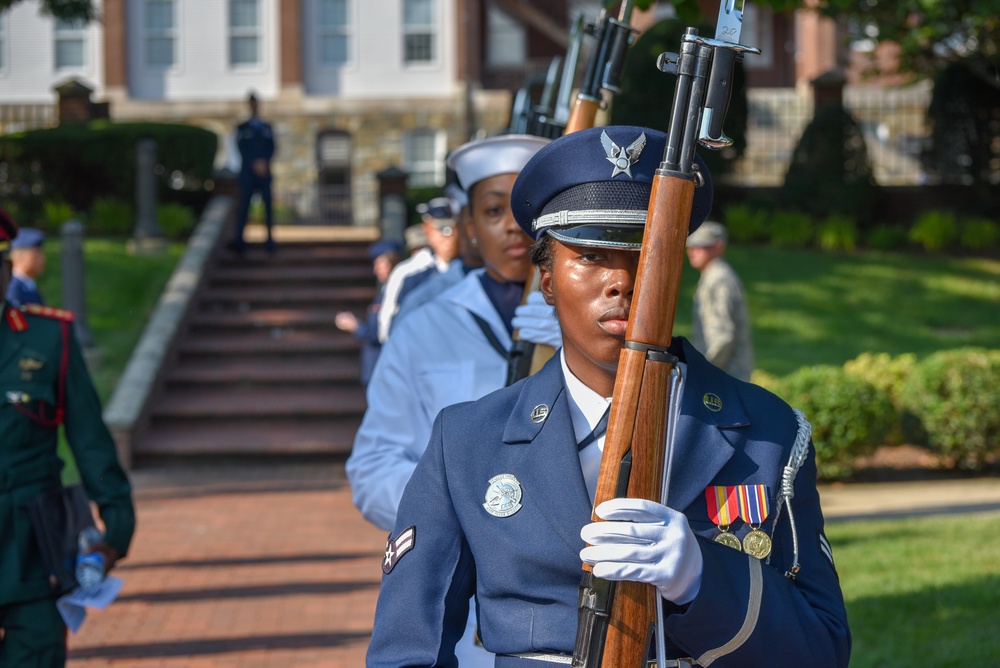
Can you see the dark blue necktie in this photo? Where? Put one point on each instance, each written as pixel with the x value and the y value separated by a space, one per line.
pixel 599 429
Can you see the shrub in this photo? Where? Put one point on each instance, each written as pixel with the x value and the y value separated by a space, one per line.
pixel 887 375
pixel 979 234
pixel 175 221
pixel 745 224
pixel 887 237
pixel 110 216
pixel 54 214
pixel 956 396
pixel 838 232
pixel 82 162
pixel 830 170
pixel 791 229
pixel 935 230
pixel 849 416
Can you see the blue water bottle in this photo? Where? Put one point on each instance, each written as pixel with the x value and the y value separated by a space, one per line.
pixel 89 565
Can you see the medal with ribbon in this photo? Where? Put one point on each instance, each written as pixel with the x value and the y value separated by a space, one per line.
pixel 723 508
pixel 753 508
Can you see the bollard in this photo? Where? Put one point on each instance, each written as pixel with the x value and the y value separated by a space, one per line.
pixel 393 221
pixel 74 297
pixel 148 236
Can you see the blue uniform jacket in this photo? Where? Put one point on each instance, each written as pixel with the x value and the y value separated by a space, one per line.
pixel 255 140
pixel 525 568
pixel 18 293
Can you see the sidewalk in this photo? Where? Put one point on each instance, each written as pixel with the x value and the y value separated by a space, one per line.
pixel 270 565
pixel 240 565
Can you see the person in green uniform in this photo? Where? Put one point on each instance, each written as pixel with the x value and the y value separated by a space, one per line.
pixel 45 383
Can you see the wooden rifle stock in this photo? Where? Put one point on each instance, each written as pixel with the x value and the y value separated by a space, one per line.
pixel 583 115
pixel 617 633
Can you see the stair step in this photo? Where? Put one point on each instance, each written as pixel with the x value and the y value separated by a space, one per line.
pixel 297 253
pixel 274 370
pixel 271 342
pixel 253 402
pixel 273 317
pixel 251 296
pixel 325 274
pixel 250 436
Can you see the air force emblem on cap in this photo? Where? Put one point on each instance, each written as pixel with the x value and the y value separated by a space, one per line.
pixel 623 158
pixel 503 496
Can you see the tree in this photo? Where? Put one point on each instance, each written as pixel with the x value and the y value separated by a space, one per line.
pixel 62 9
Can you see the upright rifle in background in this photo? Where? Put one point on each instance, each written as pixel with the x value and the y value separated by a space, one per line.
pixel 621 621
pixel 604 68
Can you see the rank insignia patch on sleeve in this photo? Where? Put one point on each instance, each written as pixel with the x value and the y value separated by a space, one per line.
pixel 396 548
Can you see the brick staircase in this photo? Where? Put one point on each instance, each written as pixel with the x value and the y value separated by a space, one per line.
pixel 261 368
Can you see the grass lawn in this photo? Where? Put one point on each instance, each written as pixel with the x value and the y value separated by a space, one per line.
pixel 122 291
pixel 921 592
pixel 810 307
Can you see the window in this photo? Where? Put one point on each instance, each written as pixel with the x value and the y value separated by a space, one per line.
pixel 334 33
pixel 160 33
pixel 423 156
pixel 506 39
pixel 70 37
pixel 418 31
pixel 244 32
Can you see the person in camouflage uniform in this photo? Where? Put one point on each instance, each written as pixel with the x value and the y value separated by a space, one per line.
pixel 721 320
pixel 45 383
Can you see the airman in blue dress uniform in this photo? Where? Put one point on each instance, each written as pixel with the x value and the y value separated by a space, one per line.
pixel 45 384
pixel 255 141
pixel 500 504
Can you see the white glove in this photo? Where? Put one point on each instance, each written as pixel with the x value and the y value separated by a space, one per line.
pixel 644 541
pixel 536 321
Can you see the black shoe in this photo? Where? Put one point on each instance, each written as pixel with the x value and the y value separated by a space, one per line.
pixel 237 247
pixel 272 247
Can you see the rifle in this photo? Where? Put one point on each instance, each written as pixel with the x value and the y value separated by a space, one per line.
pixel 620 622
pixel 604 68
pixel 603 73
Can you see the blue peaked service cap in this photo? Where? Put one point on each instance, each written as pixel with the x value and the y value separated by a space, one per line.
pixel 383 246
pixel 591 188
pixel 28 237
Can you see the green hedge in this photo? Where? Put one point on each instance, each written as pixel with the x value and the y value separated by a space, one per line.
pixel 955 396
pixel 79 163
pixel 849 416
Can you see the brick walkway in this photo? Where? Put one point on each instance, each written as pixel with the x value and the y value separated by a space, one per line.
pixel 270 565
pixel 240 565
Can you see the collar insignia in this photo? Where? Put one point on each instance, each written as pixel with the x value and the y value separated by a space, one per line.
pixel 539 413
pixel 712 402
pixel 503 496
pixel 396 548
pixel 623 158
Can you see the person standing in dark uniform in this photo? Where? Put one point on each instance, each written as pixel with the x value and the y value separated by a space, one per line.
pixel 45 383
pixel 499 505
pixel 27 260
pixel 255 140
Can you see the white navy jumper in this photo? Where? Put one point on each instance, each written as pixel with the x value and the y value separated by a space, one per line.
pixel 524 567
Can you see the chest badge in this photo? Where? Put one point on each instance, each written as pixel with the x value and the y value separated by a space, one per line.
pixel 28 365
pixel 18 398
pixel 503 496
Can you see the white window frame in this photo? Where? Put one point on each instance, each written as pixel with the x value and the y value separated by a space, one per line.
pixel 233 33
pixel 425 171
pixel 758 30
pixel 69 32
pixel 150 33
pixel 346 31
pixel 430 29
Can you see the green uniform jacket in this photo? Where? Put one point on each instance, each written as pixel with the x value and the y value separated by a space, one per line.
pixel 31 353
